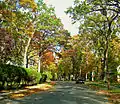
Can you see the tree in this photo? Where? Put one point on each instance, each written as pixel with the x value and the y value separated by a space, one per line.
pixel 14 22
pixel 108 12
pixel 48 30
pixel 65 67
pixel 113 58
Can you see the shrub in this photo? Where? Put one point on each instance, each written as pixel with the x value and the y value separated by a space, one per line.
pixel 33 74
pixel 43 78
pixel 13 76
pixel 49 75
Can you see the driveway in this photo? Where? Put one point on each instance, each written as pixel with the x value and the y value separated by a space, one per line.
pixel 63 93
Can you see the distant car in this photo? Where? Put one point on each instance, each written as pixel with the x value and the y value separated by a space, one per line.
pixel 80 81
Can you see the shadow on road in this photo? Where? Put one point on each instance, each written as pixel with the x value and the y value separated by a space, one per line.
pixel 64 93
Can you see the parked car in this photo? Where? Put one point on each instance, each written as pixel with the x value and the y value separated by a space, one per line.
pixel 80 81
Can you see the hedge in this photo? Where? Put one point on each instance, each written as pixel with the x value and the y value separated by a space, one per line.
pixel 15 76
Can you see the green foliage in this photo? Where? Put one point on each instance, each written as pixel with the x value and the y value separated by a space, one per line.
pixel 34 74
pixel 11 75
pixel 99 20
pixel 49 75
pixel 65 66
pixel 52 67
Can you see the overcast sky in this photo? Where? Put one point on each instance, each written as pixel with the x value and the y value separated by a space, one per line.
pixel 60 7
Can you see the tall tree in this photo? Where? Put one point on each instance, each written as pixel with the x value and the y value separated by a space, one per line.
pixel 14 21
pixel 108 12
pixel 49 30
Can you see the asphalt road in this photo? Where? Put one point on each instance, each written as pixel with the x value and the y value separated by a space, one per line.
pixel 63 93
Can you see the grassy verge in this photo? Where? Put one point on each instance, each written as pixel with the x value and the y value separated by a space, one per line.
pixel 101 87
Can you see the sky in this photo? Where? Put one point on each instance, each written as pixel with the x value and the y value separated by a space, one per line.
pixel 60 7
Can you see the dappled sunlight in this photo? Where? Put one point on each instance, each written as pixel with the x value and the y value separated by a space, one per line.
pixel 39 86
pixel 63 93
pixel 68 94
pixel 102 92
pixel 4 91
pixel 30 90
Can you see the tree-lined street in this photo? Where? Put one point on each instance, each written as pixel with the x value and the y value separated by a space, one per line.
pixel 36 48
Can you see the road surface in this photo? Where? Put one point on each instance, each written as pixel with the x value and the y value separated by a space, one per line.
pixel 63 93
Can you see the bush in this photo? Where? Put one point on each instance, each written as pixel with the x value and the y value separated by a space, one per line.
pixel 43 78
pixel 10 74
pixel 49 75
pixel 14 76
pixel 33 74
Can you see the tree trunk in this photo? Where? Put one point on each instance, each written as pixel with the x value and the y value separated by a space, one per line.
pixel 27 60
pixel 107 76
pixel 102 74
pixel 25 54
pixel 118 71
pixel 80 74
pixel 39 64
pixel 107 50
pixel 92 75
pixel 86 77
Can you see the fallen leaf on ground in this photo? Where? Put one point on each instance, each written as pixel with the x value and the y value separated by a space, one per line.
pixel 115 98
pixel 102 92
pixel 30 90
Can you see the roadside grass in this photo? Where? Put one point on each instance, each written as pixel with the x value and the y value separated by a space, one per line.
pixel 96 85
pixel 114 91
pixel 101 88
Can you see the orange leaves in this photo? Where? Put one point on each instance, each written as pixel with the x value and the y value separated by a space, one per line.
pixel 6 15
pixel 28 3
pixel 38 35
pixel 68 53
pixel 30 90
pixel 48 61
pixel 48 57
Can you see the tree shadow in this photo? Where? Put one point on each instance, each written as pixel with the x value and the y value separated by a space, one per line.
pixel 65 93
